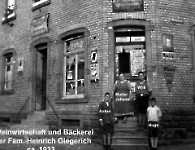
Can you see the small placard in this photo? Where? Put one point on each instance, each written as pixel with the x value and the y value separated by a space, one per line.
pixel 122 39
pixel 127 5
pixel 169 73
pixel 137 39
pixel 167 43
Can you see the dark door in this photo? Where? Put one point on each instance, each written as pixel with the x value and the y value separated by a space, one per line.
pixel 44 81
pixel 41 79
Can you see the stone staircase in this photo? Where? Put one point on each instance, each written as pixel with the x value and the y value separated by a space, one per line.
pixel 127 137
pixel 33 121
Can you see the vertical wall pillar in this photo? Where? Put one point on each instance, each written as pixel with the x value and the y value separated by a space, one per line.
pixel 111 60
pixel 192 33
pixel 149 66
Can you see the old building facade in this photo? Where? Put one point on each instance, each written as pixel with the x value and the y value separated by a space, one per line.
pixel 62 56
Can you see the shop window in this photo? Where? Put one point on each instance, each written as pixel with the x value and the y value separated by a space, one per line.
pixel 7 72
pixel 39 4
pixel 74 62
pixel 130 51
pixel 10 11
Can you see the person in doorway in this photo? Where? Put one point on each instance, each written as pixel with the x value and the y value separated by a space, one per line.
pixel 154 116
pixel 122 96
pixel 106 119
pixel 143 92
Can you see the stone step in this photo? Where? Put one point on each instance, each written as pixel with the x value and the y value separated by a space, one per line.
pixel 126 125
pixel 130 139
pixel 129 146
pixel 32 122
pixel 130 132
pixel 35 117
pixel 29 127
pixel 42 113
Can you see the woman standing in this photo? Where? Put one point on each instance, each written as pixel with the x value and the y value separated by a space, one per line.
pixel 122 96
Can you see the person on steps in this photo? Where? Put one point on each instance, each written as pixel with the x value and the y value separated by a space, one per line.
pixel 154 116
pixel 106 118
pixel 122 97
pixel 143 92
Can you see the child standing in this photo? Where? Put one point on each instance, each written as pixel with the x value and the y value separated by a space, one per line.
pixel 106 119
pixel 154 116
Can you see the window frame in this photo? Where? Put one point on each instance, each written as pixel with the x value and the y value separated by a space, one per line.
pixel 11 16
pixel 2 70
pixel 75 54
pixel 62 38
pixel 40 4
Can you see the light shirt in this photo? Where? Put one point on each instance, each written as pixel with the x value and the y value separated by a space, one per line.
pixel 107 103
pixel 154 113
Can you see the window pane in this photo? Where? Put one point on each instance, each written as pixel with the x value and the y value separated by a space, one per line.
pixel 80 84
pixel 70 88
pixel 70 67
pixel 9 59
pixel 81 64
pixel 8 76
pixel 8 85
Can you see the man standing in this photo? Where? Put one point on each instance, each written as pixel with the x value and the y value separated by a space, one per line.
pixel 143 92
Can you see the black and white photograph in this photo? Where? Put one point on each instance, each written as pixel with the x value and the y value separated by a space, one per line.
pixel 97 75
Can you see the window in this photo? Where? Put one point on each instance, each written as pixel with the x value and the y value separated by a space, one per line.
pixel 9 13
pixel 40 3
pixel 74 64
pixel 7 72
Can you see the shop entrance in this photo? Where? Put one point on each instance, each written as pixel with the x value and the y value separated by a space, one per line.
pixel 130 53
pixel 41 78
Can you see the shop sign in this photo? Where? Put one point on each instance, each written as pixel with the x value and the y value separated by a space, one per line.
pixel 169 73
pixel 39 25
pixel 167 43
pixel 137 39
pixel 122 39
pixel 127 5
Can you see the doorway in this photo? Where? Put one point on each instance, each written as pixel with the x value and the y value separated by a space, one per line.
pixel 41 78
pixel 130 52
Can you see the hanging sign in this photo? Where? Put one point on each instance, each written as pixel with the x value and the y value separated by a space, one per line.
pixel 39 25
pixel 20 66
pixel 169 73
pixel 137 38
pixel 94 71
pixel 127 5
pixel 167 43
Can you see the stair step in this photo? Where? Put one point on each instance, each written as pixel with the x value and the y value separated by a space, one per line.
pixel 35 117
pixel 42 113
pixel 29 127
pixel 129 146
pixel 126 125
pixel 32 122
pixel 130 139
pixel 129 132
